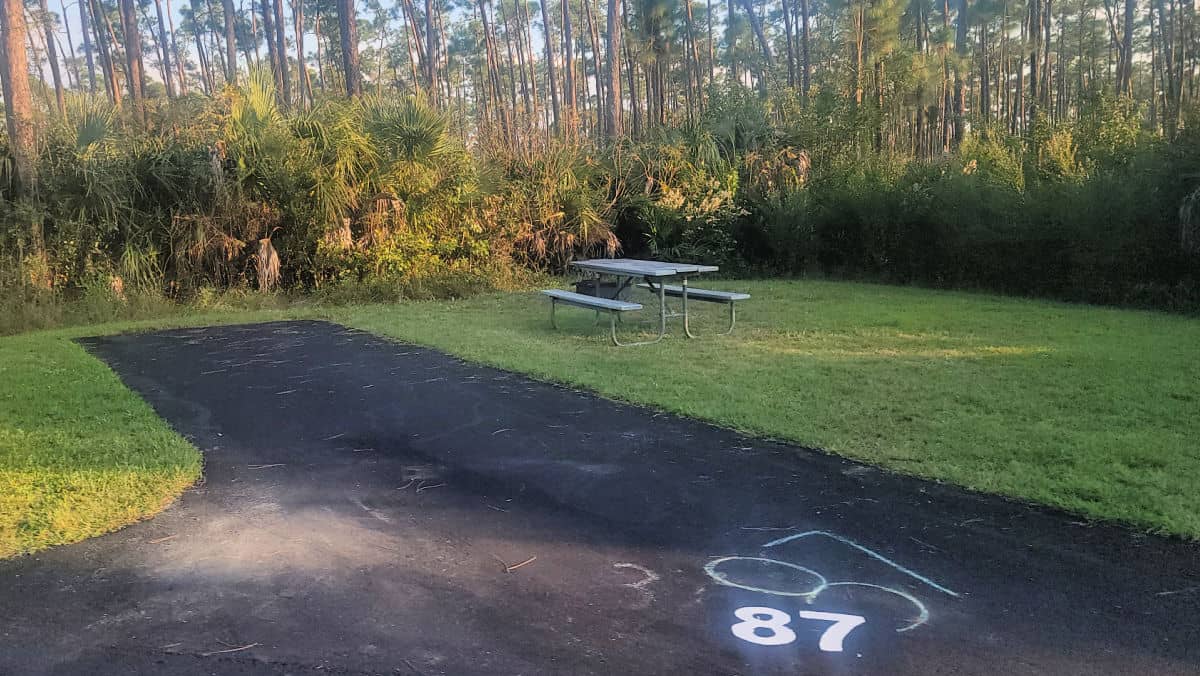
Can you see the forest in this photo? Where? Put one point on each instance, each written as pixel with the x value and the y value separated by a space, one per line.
pixel 363 149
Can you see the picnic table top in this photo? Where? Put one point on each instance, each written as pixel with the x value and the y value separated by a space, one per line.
pixel 639 268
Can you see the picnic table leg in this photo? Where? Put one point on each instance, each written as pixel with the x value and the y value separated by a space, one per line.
pixel 732 319
pixel 613 333
pixel 662 322
pixel 620 289
pixel 662 310
pixel 687 330
pixel 553 304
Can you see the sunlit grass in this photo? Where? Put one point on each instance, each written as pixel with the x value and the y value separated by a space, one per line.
pixel 1089 409
pixel 80 454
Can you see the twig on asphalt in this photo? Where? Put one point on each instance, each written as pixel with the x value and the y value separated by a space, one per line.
pixel 508 568
pixel 924 544
pixel 230 650
pixel 277 464
pixel 1185 590
pixel 164 539
pixel 423 487
pixel 523 563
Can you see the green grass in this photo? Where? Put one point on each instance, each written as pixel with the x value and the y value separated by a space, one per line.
pixel 1092 410
pixel 1088 409
pixel 81 455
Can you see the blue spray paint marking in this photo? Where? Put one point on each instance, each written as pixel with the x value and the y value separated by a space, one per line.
pixel 866 550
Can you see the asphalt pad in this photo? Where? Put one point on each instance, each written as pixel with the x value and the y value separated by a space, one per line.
pixel 372 507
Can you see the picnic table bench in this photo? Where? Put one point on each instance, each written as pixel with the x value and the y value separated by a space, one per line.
pixel 610 305
pixel 729 298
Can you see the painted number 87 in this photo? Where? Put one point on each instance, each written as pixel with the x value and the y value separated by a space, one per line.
pixel 768 626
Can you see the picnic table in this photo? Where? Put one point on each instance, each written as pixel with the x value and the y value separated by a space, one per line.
pixel 626 272
pixel 653 273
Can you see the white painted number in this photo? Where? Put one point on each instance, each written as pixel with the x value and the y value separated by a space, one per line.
pixel 751 624
pixel 831 640
pixel 756 619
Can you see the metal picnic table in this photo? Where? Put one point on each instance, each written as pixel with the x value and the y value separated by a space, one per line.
pixel 628 270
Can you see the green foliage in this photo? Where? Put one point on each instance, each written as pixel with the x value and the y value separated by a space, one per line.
pixel 737 120
pixel 552 202
pixel 1057 157
pixel 382 198
pixel 682 195
pixel 994 158
pixel 1109 130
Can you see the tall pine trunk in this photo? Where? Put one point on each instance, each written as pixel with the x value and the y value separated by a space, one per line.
pixel 268 16
pixel 431 53
pixel 71 45
pixel 550 72
pixel 1035 54
pixel 319 39
pixel 630 68
pixel 303 82
pixel 348 28
pixel 182 79
pixel 693 56
pixel 756 26
pixel 165 45
pixel 230 41
pixel 960 46
pixel 85 30
pixel 519 65
pixel 805 56
pixel 107 65
pixel 18 100
pixel 133 58
pixel 527 22
pixel 285 71
pixel 1125 83
pixel 568 68
pixel 790 43
pixel 612 111
pixel 594 35
pixel 52 57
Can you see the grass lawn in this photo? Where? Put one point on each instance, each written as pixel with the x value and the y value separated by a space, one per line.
pixel 80 454
pixel 1092 410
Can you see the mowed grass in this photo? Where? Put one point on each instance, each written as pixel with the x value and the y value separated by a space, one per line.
pixel 81 455
pixel 1092 410
pixel 1088 409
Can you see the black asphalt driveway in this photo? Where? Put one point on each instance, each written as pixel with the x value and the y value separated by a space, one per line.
pixel 376 508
